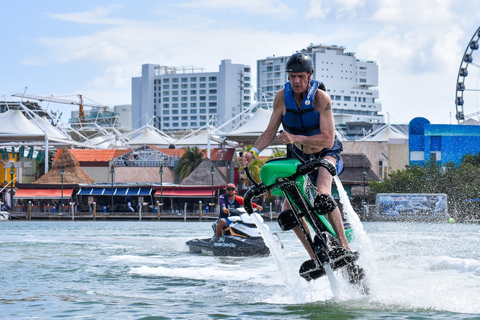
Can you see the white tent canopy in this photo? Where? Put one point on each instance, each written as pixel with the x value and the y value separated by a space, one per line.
pixel 150 136
pixel 203 139
pixel 253 128
pixel 385 133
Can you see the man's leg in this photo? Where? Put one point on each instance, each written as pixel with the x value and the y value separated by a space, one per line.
pixel 222 224
pixel 324 186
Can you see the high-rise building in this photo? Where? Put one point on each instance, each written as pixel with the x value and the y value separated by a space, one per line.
pixel 350 82
pixel 188 98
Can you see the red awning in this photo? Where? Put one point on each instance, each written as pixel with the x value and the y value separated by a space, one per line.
pixel 42 193
pixel 179 193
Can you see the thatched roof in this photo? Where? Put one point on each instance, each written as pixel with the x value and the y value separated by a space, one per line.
pixel 201 176
pixel 354 164
pixel 73 173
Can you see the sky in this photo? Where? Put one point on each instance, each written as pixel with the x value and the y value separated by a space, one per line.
pixel 94 48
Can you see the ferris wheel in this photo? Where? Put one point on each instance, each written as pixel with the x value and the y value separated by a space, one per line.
pixel 468 80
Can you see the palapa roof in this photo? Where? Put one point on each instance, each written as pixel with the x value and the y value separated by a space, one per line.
pixel 202 176
pixel 73 173
pixel 354 164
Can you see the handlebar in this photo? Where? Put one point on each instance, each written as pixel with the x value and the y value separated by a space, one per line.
pixel 303 169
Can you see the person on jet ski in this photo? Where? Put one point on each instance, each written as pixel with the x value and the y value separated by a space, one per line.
pixel 305 110
pixel 228 201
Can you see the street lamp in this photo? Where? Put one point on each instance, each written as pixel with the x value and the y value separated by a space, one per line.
pixel 62 172
pixel 112 172
pixel 212 172
pixel 364 173
pixel 12 172
pixel 161 185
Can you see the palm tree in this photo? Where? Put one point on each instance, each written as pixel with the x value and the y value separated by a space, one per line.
pixel 190 159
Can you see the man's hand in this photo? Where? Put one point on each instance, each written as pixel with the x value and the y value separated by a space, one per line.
pixel 259 208
pixel 225 210
pixel 286 138
pixel 245 159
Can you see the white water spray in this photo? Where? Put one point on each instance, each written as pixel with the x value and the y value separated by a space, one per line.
pixel 285 269
pixel 361 239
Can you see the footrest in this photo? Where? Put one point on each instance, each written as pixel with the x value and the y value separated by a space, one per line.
pixel 287 220
pixel 309 270
pixel 341 257
pixel 324 204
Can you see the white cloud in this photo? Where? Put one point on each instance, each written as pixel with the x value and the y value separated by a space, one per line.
pixel 273 8
pixel 96 16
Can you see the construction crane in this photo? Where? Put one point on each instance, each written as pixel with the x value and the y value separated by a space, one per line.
pixel 81 114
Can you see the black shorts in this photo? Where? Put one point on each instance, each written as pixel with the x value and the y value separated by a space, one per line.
pixel 332 152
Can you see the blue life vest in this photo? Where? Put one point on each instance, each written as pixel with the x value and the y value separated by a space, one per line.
pixel 306 121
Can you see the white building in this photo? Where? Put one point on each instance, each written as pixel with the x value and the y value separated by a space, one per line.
pixel 187 98
pixel 350 83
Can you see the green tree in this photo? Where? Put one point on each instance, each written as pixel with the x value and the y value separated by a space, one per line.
pixel 190 159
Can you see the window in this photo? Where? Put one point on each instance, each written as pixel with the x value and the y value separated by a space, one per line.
pixel 184 105
pixel 203 78
pixel 417 156
pixel 212 78
pixel 174 111
pixel 212 110
pixel 184 92
pixel 203 111
pixel 184 111
pixel 193 111
pixel 193 79
pixel 184 118
pixel 175 80
pixel 175 93
pixel 212 91
pixel 166 86
pixel 193 91
pixel 166 112
pixel 184 79
pixel 212 85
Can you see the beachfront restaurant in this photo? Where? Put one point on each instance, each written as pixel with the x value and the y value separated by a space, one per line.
pixel 122 195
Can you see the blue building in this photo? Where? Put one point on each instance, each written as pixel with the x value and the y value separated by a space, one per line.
pixel 441 142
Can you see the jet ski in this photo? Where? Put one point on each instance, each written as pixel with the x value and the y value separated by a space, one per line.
pixel 241 238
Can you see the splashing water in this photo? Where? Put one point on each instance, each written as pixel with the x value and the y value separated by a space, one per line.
pixel 362 242
pixel 284 267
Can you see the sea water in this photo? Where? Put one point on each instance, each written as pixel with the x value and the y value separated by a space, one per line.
pixel 143 270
